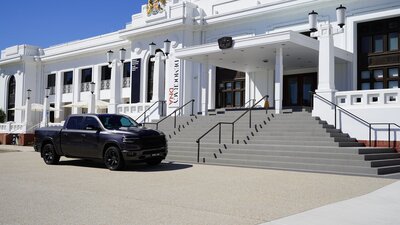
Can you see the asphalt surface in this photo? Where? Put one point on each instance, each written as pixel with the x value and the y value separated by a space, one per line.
pixel 84 192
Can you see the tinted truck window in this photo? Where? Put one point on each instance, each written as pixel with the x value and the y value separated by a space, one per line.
pixel 75 123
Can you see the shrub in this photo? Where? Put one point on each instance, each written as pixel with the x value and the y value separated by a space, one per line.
pixel 2 116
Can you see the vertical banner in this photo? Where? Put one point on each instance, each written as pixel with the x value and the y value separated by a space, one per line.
pixel 173 86
pixel 135 80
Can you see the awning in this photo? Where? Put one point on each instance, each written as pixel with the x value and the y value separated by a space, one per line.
pixel 257 53
pixel 39 107
pixel 99 105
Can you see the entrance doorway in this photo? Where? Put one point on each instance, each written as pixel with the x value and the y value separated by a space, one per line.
pixel 296 89
pixel 230 88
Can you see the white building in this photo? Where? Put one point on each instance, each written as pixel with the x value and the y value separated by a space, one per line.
pixel 272 54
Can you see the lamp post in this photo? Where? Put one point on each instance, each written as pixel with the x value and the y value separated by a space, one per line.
pixel 28 107
pixel 92 102
pixel 44 122
pixel 326 65
pixel 115 64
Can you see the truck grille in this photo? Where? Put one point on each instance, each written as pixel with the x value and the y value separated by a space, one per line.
pixel 153 142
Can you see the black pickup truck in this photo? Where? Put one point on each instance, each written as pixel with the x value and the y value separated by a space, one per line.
pixel 111 137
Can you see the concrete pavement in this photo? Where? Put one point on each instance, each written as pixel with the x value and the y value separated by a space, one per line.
pixel 380 207
pixel 84 192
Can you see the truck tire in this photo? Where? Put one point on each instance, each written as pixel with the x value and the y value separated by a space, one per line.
pixel 49 155
pixel 113 159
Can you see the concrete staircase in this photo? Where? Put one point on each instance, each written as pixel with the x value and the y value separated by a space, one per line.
pixel 289 141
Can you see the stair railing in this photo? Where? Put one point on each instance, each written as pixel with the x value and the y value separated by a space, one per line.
pixel 249 102
pixel 219 124
pixel 178 110
pixel 148 109
pixel 313 94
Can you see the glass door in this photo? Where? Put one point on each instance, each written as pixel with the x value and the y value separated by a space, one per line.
pixel 296 89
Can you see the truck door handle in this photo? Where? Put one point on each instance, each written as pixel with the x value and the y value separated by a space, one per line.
pixel 83 135
pixel 65 134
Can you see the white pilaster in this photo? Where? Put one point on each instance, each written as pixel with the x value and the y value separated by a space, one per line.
pixel 211 87
pixel 96 78
pixel 326 60
pixel 204 88
pixel 76 83
pixel 59 114
pixel 92 104
pixel 27 119
pixel 159 78
pixel 278 80
pixel 43 123
pixel 115 87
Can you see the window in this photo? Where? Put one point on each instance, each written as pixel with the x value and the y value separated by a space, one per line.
pixel 105 73
pixel 90 123
pixel 75 123
pixel 86 75
pixel 68 77
pixel 127 69
pixel 393 41
pixel 115 122
pixel 150 75
pixel 378 43
pixel 378 54
pixel 51 80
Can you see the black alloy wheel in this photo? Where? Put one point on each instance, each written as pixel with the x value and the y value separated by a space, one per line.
pixel 113 159
pixel 49 155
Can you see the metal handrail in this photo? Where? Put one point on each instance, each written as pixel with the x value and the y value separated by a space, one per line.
pixel 231 123
pixel 250 100
pixel 354 117
pixel 144 113
pixel 174 113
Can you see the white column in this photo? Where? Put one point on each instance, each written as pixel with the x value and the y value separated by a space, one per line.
pixel 278 80
pixel 43 123
pixel 96 78
pixel 92 104
pixel 211 87
pixel 76 83
pixel 115 87
pixel 204 88
pixel 59 114
pixel 158 78
pixel 28 110
pixel 326 67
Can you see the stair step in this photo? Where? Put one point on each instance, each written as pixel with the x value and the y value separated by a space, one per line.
pixel 388 169
pixel 385 162
pixel 380 156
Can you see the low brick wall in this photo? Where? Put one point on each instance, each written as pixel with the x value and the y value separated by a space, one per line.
pixel 23 139
pixel 385 144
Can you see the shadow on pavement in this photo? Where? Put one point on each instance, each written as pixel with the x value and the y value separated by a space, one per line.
pixel 129 167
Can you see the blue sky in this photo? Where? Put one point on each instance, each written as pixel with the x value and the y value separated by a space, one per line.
pixel 49 22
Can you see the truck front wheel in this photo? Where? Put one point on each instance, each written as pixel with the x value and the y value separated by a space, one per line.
pixel 49 155
pixel 113 159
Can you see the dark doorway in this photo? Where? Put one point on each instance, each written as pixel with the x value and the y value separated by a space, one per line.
pixel 230 88
pixel 11 99
pixel 296 89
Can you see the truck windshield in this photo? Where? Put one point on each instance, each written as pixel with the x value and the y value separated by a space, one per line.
pixel 115 122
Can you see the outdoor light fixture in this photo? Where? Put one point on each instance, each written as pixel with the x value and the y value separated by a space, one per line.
pixel 312 21
pixel 153 46
pixel 340 15
pixel 167 47
pixel 109 56
pixel 47 92
pixel 29 93
pixel 152 49
pixel 122 53
pixel 92 85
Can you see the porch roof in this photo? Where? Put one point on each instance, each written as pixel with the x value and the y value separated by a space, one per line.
pixel 257 53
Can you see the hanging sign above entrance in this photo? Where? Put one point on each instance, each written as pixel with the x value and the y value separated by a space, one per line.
pixel 225 42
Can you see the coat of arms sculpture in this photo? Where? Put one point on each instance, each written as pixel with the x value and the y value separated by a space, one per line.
pixel 155 6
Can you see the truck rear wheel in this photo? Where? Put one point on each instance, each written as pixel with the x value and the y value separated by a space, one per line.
pixel 49 155
pixel 113 159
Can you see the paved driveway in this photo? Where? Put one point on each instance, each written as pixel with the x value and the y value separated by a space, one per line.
pixel 84 192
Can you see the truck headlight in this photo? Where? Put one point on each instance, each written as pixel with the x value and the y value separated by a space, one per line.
pixel 129 140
